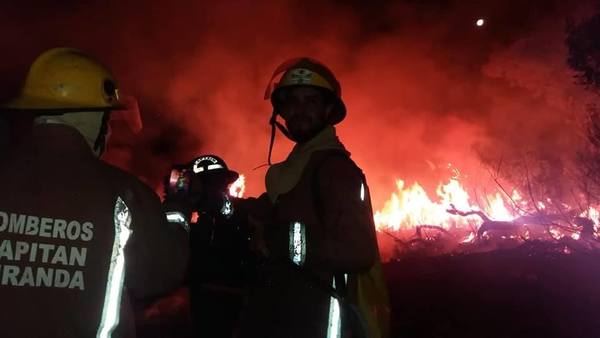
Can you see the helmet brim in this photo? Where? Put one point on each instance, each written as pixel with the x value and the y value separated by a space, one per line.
pixel 228 176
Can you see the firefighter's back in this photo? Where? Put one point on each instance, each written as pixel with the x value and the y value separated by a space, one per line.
pixel 74 230
pixel 64 222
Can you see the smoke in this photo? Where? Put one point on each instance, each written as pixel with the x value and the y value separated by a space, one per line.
pixel 424 85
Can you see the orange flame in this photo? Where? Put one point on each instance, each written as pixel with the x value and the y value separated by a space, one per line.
pixel 410 211
pixel 412 206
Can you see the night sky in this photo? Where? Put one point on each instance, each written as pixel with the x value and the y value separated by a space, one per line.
pixel 423 84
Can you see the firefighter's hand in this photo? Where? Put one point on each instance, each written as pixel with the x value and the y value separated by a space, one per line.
pixel 258 245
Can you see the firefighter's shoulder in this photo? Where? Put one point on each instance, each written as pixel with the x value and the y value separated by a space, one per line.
pixel 128 186
pixel 337 166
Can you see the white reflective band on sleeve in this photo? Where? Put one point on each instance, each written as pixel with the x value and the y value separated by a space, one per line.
pixel 335 321
pixel 179 218
pixel 116 272
pixel 297 243
pixel 334 327
pixel 362 192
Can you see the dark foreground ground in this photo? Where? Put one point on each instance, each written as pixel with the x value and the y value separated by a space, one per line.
pixel 529 291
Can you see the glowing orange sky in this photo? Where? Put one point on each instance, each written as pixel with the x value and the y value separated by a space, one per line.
pixel 424 86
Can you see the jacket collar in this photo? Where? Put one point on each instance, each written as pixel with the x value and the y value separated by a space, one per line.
pixel 283 177
pixel 58 139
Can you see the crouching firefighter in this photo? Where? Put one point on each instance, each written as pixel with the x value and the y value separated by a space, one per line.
pixel 79 238
pixel 221 262
pixel 314 224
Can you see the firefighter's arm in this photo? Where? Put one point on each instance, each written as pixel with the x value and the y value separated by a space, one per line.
pixel 257 212
pixel 259 208
pixel 158 251
pixel 345 239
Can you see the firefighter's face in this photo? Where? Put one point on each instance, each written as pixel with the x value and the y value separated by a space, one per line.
pixel 305 112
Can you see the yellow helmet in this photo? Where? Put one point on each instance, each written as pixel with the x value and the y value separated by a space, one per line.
pixel 63 80
pixel 304 71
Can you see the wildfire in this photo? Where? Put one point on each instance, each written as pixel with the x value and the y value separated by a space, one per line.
pixel 412 216
pixel 411 206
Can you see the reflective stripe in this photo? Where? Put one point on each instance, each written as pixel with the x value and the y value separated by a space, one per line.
pixel 116 272
pixel 362 191
pixel 208 167
pixel 214 166
pixel 334 326
pixel 335 321
pixel 227 209
pixel 297 243
pixel 179 218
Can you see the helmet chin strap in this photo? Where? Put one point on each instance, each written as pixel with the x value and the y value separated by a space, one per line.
pixel 281 127
pixel 274 123
pixel 100 143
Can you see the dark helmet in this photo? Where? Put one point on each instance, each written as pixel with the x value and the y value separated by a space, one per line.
pixel 212 166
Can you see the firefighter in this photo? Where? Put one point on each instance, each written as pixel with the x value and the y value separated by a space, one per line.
pixel 314 225
pixel 220 261
pixel 78 237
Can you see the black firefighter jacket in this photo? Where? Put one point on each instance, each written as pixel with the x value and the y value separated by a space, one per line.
pixel 324 223
pixel 77 237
